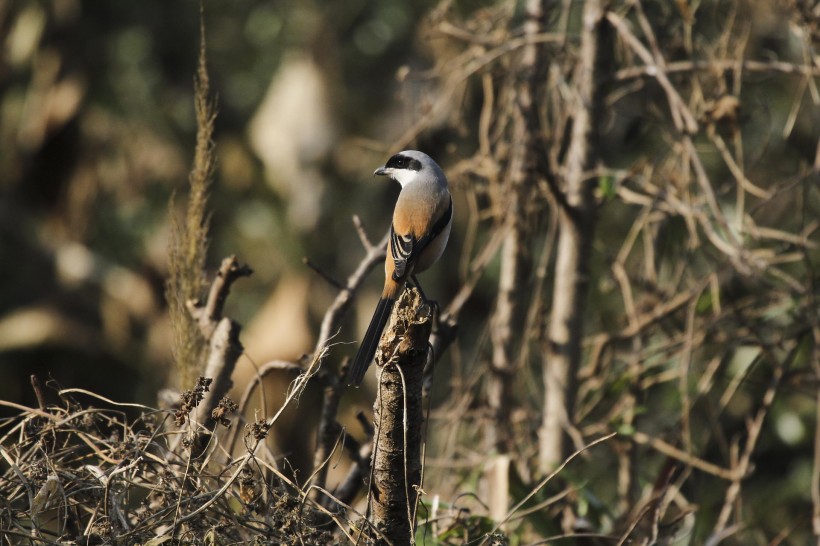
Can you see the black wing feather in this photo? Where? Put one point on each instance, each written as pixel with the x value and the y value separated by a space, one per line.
pixel 401 250
pixel 367 350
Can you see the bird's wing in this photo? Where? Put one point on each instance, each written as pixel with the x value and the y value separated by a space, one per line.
pixel 401 249
pixel 405 249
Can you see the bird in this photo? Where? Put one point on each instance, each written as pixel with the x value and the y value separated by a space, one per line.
pixel 422 219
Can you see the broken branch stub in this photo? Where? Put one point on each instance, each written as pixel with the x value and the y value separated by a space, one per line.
pixel 398 417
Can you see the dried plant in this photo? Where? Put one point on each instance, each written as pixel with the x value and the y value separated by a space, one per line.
pixel 189 237
pixel 79 474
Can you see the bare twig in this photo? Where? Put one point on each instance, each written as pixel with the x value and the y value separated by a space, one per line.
pixel 222 335
pixel 684 120
pixel 337 310
pixel 322 273
pixel 357 474
pixel 329 428
pixel 209 314
pixel 38 392
pixel 741 465
pixel 330 431
pixel 545 481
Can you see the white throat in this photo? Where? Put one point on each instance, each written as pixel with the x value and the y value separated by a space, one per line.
pixel 404 176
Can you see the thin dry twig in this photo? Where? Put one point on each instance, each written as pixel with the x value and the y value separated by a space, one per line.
pixel 545 481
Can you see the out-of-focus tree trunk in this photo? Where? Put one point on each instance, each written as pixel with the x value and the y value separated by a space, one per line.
pixel 576 224
pixel 506 334
pixel 506 331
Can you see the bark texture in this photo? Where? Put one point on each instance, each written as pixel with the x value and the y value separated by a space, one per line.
pixel 396 474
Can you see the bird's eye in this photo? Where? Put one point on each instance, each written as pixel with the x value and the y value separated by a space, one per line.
pixel 397 162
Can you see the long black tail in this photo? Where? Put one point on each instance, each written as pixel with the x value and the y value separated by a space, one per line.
pixel 367 350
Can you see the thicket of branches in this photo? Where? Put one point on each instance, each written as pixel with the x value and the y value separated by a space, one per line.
pixel 638 195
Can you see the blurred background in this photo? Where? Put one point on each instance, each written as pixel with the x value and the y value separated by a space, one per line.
pixel 97 131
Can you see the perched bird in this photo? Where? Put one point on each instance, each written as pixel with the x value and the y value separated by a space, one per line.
pixel 421 226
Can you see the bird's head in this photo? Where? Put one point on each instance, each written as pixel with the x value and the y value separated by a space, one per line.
pixel 411 165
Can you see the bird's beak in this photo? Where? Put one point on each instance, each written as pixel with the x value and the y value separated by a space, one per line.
pixel 382 171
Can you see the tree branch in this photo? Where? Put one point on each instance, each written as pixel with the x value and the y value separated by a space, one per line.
pixel 396 467
pixel 576 221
